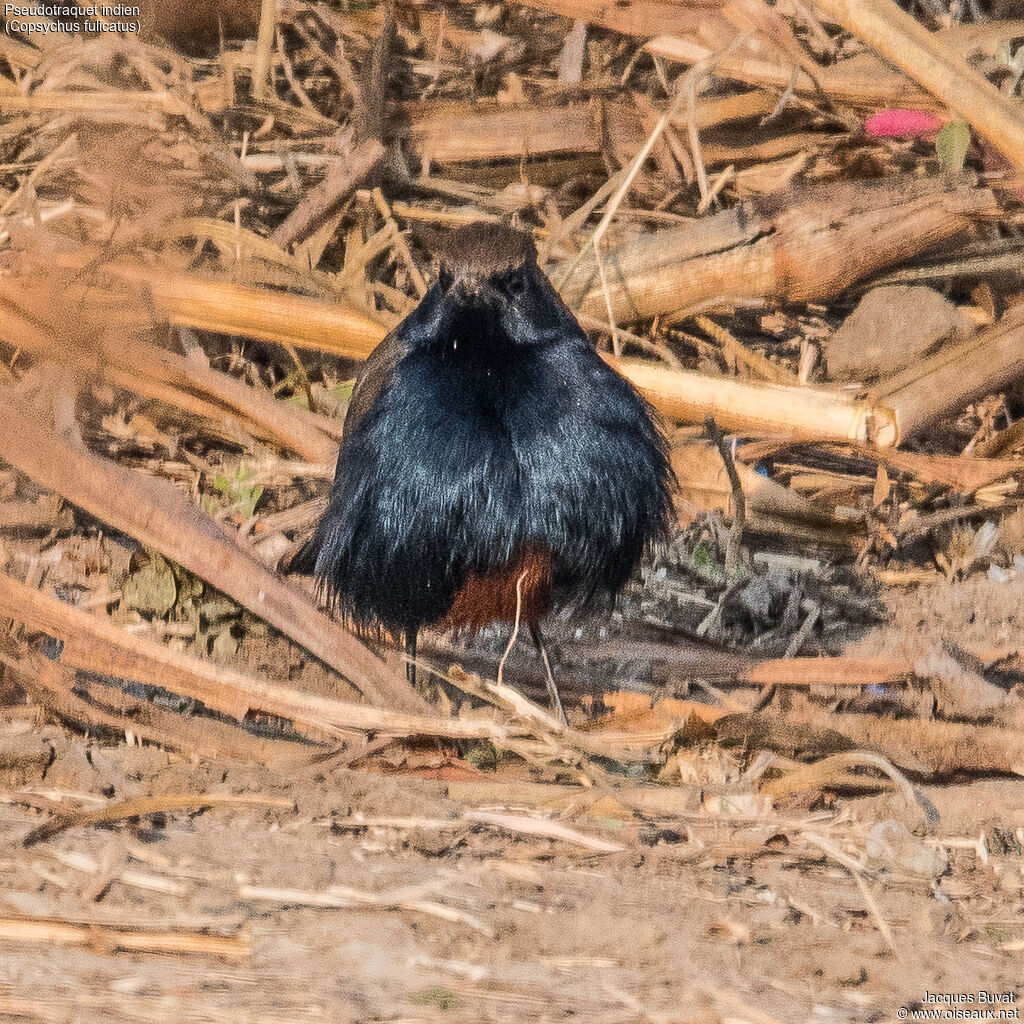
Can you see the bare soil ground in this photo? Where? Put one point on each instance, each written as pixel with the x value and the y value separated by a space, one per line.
pixel 706 915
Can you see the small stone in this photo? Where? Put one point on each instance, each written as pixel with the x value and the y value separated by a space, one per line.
pixel 890 329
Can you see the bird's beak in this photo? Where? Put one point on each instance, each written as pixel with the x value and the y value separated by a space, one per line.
pixel 471 291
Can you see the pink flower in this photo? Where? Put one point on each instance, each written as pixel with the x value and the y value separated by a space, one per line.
pixel 901 124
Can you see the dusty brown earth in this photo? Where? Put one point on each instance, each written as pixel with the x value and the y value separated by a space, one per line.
pixel 719 912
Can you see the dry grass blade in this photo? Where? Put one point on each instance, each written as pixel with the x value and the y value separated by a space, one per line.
pixel 561 739
pixel 704 485
pixel 830 849
pixel 137 808
pixel 93 102
pixel 545 829
pixel 86 704
pixel 862 80
pixel 127 938
pixel 340 182
pixel 733 349
pixel 929 748
pixel 657 801
pixel 684 90
pixel 264 46
pixel 961 472
pixel 839 671
pixel 739 501
pixel 345 898
pixel 825 772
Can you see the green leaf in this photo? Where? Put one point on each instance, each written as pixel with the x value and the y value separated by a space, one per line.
pixel 251 497
pixel 342 391
pixel 951 145
pixel 152 590
pixel 436 995
pixel 483 755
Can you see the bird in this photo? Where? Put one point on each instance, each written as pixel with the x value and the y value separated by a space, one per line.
pixel 493 468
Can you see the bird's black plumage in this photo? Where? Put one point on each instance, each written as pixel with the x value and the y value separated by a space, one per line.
pixel 483 426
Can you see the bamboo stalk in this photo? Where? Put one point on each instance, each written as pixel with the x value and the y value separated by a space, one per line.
pixel 986 363
pixel 800 247
pixel 444 132
pixel 210 305
pixel 742 405
pixel 462 132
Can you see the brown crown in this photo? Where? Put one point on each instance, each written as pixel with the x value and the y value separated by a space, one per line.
pixel 482 250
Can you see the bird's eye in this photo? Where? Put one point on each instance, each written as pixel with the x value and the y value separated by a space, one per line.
pixel 515 283
pixel 445 279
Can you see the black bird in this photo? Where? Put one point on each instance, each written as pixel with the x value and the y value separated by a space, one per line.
pixel 488 447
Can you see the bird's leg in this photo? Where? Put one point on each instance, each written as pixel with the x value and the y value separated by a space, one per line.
pixel 556 701
pixel 410 653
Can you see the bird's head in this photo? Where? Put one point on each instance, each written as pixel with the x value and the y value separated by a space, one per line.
pixel 491 291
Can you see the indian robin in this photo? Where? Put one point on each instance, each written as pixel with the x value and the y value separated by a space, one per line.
pixel 491 459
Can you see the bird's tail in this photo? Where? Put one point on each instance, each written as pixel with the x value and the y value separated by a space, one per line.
pixel 304 560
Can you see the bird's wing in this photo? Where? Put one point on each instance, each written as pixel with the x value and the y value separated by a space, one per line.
pixel 380 365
